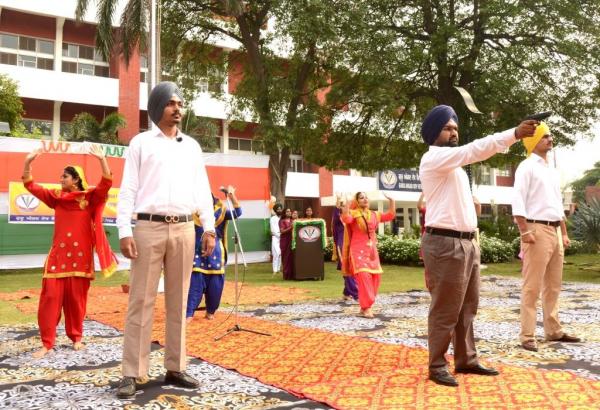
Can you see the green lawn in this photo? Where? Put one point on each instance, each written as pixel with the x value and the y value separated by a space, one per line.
pixel 578 268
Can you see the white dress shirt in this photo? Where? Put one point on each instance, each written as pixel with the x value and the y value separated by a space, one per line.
pixel 537 191
pixel 166 177
pixel 274 223
pixel 446 185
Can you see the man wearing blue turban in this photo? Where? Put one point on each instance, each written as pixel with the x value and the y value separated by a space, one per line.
pixel 164 183
pixel 450 253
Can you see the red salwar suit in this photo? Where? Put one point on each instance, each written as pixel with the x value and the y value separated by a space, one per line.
pixel 69 267
pixel 360 256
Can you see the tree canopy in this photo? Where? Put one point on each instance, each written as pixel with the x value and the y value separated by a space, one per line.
pixel 11 106
pixel 347 82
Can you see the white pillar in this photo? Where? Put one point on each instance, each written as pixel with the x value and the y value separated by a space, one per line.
pixel 58 43
pixel 225 137
pixel 56 121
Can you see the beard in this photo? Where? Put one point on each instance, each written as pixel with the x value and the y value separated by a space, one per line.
pixel 451 143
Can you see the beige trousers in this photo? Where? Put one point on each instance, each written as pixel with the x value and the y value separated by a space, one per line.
pixel 159 244
pixel 542 271
pixel 453 266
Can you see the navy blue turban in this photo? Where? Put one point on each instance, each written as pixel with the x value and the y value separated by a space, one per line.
pixel 435 120
pixel 159 98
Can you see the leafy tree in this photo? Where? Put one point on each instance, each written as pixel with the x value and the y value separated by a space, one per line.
pixel 586 224
pixel 85 127
pixel 201 129
pixel 590 177
pixel 11 106
pixel 348 82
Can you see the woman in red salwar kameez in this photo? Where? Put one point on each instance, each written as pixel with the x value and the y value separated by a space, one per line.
pixel 78 230
pixel 360 257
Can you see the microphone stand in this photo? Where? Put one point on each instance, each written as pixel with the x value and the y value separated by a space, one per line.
pixel 236 242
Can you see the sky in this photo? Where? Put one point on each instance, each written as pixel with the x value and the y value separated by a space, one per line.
pixel 574 161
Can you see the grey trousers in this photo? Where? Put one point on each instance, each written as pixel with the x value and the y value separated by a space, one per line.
pixel 453 266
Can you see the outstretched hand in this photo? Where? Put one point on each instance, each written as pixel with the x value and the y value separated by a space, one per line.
pixel 96 150
pixel 33 154
pixel 526 129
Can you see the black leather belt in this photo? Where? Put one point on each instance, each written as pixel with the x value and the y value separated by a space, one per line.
pixel 549 223
pixel 450 232
pixel 170 219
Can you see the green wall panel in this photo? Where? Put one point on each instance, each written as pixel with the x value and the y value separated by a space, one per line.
pixel 18 239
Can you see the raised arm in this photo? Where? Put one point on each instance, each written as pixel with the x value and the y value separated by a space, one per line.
pixel 391 213
pixel 43 194
pixel 236 212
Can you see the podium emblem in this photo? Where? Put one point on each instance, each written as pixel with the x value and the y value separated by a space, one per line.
pixel 309 233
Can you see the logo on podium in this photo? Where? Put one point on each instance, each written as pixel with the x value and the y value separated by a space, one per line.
pixel 309 233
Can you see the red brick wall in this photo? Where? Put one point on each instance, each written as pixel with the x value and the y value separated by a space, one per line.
pixel 38 109
pixel 505 181
pixel 236 71
pixel 70 110
pixel 247 132
pixel 27 24
pixel 592 192
pixel 129 96
pixel 79 33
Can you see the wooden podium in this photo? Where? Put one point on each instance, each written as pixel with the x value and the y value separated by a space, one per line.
pixel 309 239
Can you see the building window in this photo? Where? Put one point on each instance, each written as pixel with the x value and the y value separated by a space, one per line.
pixel 26 61
pixel 42 126
pixel 503 172
pixel 69 67
pixel 9 41
pixel 45 63
pixel 6 58
pixel 86 69
pixel 296 163
pixel 144 68
pixel 84 60
pixel 101 71
pixel 45 47
pixel 26 51
pixel 26 43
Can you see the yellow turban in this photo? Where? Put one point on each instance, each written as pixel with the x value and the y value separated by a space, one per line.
pixel 532 141
pixel 81 176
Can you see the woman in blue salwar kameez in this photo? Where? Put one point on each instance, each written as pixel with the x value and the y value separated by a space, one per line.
pixel 208 274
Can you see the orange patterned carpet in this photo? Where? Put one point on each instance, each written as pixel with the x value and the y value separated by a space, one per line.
pixel 354 373
pixel 344 371
pixel 108 297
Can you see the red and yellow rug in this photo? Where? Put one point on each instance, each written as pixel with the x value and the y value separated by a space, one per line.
pixel 356 373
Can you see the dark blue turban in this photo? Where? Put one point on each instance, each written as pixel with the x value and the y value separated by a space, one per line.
pixel 435 120
pixel 159 98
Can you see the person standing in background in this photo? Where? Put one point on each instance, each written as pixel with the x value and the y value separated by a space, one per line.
pixel 275 235
pixel 538 210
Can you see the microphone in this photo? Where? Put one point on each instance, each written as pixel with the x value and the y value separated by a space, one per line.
pixel 179 139
pixel 224 190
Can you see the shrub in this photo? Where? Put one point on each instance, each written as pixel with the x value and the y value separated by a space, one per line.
pixel 494 250
pixel 577 247
pixel 398 251
pixel 586 224
pixel 328 251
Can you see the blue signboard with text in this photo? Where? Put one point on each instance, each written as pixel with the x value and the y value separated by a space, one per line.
pixel 399 180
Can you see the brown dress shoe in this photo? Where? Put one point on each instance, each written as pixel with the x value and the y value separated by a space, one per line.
pixel 529 345
pixel 479 369
pixel 565 338
pixel 181 379
pixel 444 378
pixel 126 388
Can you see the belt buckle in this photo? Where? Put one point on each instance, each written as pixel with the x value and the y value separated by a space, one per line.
pixel 171 219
